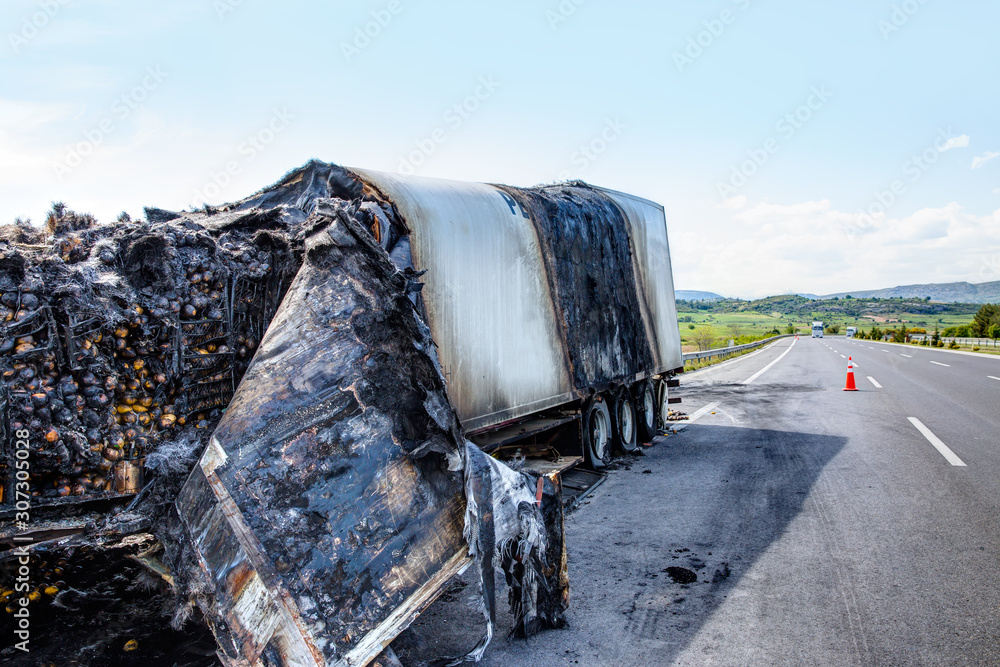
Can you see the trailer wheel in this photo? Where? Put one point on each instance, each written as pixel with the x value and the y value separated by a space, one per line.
pixel 644 399
pixel 597 432
pixel 623 422
pixel 662 403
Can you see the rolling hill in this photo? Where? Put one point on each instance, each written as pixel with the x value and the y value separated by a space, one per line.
pixel 941 292
pixel 693 295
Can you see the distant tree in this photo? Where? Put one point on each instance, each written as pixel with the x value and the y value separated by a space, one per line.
pixel 994 331
pixel 703 338
pixel 790 329
pixel 987 316
pixel 833 329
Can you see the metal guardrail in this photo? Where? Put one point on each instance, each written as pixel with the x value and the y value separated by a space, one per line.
pixel 981 342
pixel 725 352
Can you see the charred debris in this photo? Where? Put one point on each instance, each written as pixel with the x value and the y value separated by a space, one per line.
pixel 270 354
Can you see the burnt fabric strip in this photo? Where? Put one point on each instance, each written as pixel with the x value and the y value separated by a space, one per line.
pixel 588 259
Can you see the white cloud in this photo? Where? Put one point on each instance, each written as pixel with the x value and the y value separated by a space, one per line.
pixel 737 202
pixel 961 141
pixel 767 248
pixel 979 161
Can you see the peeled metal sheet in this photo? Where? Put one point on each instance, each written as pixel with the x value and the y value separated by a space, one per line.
pixel 328 509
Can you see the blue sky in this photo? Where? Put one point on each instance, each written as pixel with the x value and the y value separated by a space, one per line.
pixel 797 147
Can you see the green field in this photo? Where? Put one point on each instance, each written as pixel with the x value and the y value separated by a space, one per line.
pixel 752 325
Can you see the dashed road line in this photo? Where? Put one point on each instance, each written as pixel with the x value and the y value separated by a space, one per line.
pixel 940 364
pixel 874 382
pixel 906 355
pixel 993 378
pixel 938 445
pixel 842 356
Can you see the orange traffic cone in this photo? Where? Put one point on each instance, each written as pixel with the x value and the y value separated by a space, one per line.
pixel 850 375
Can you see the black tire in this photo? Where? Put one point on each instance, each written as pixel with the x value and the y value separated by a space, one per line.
pixel 597 432
pixel 662 403
pixel 623 422
pixel 644 400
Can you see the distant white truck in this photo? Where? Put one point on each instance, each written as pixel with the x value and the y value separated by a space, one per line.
pixel 852 332
pixel 817 330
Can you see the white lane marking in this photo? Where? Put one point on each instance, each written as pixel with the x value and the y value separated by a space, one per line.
pixel 886 351
pixel 938 445
pixel 993 378
pixel 698 414
pixel 940 364
pixel 768 367
pixel 906 355
pixel 870 347
pixel 842 356
pixel 874 382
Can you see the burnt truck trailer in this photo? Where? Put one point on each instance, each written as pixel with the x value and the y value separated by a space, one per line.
pixel 544 301
pixel 356 354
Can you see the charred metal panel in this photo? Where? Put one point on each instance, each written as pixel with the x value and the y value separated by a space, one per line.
pixel 328 509
pixel 486 296
pixel 585 243
pixel 654 277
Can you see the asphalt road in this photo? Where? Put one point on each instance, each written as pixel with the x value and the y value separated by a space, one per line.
pixel 823 526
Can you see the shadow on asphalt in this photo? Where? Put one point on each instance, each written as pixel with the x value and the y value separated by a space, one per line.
pixel 656 551
pixel 732 493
